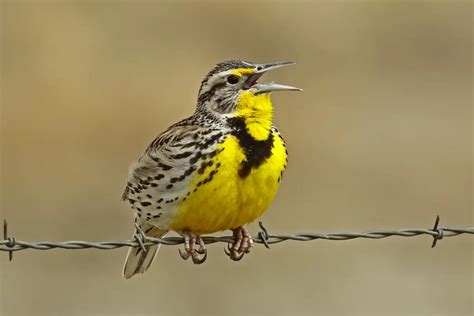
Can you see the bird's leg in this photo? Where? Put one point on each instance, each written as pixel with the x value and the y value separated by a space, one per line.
pixel 187 245
pixel 247 241
pixel 191 240
pixel 242 244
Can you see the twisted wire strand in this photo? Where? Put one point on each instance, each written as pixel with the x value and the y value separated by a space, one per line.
pixel 10 244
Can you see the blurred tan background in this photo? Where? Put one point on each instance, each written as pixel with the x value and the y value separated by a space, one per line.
pixel 380 138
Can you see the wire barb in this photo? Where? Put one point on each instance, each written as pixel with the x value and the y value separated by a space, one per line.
pixel 263 235
pixel 439 232
pixel 10 241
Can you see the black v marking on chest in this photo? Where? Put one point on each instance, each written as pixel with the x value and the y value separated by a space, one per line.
pixel 256 151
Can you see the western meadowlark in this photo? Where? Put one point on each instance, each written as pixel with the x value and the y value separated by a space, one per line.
pixel 218 169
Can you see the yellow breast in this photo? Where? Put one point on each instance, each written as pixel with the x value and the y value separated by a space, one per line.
pixel 229 200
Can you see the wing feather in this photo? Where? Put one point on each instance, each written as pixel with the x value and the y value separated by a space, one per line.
pixel 168 153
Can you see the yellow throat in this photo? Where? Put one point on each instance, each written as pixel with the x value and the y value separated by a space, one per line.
pixel 257 112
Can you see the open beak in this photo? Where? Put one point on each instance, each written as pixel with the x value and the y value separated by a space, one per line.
pixel 258 88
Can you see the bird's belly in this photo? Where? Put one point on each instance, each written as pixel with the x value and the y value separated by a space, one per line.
pixel 220 199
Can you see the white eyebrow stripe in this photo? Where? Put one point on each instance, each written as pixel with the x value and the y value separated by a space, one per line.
pixel 214 79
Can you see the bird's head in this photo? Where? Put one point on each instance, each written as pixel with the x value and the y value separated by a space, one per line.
pixel 232 87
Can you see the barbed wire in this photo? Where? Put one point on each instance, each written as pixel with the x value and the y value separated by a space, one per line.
pixel 11 244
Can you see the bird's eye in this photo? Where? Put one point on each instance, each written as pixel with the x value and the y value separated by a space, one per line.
pixel 232 79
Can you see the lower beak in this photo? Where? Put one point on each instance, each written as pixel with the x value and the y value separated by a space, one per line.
pixel 258 88
pixel 269 87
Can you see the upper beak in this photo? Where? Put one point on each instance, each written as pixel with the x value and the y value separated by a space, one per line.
pixel 258 88
pixel 262 68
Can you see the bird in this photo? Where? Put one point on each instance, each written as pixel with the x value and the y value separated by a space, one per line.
pixel 217 170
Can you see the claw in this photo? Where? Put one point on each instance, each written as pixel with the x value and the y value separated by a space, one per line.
pixel 237 256
pixel 201 251
pixel 202 247
pixel 199 258
pixel 233 255
pixel 184 255
pixel 190 242
pixel 228 249
pixel 242 244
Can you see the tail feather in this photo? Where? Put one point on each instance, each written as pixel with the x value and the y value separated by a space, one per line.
pixel 137 260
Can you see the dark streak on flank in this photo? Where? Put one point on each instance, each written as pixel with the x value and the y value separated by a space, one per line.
pixel 213 139
pixel 195 158
pixel 189 171
pixel 164 167
pixel 182 155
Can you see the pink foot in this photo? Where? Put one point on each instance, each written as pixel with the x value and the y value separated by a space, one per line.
pixel 242 244
pixel 191 240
